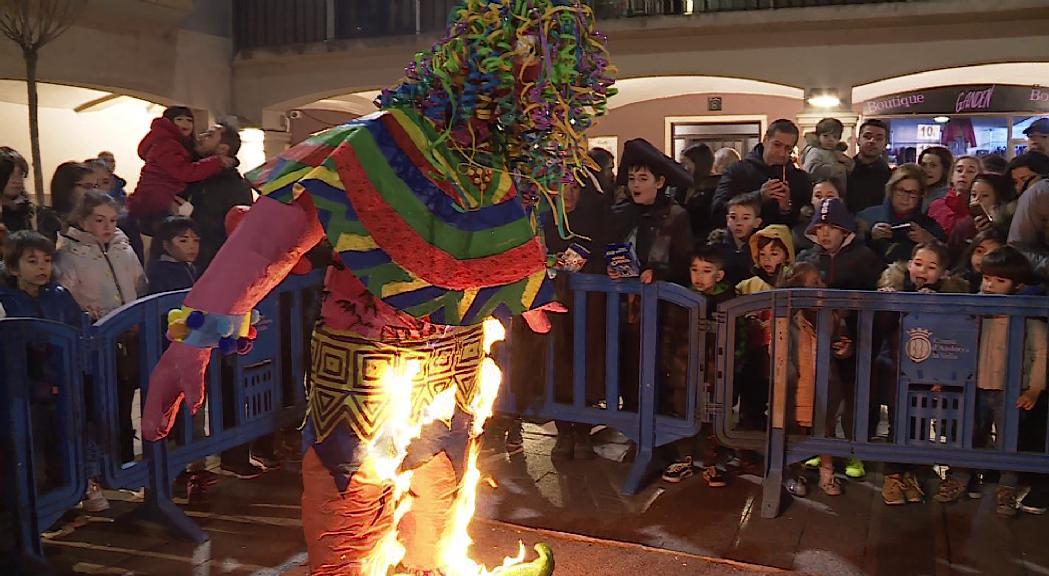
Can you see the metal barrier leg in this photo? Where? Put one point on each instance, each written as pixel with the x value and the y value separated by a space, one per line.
pixel 776 451
pixel 158 506
pixel 641 471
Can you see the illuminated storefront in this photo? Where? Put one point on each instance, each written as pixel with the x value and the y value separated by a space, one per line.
pixel 969 119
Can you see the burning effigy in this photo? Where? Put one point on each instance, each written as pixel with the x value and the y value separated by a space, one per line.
pixel 430 208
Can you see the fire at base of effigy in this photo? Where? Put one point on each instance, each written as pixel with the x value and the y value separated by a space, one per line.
pixel 388 448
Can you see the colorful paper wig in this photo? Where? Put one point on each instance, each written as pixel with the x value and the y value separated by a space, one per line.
pixel 520 80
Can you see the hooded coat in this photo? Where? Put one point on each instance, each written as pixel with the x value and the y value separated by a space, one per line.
pixel 100 276
pixel 762 282
pixel 855 266
pixel 168 168
pixel 749 174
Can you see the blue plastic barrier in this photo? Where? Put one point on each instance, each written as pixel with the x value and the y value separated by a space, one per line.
pixel 646 426
pixel 939 345
pixel 266 387
pixel 25 412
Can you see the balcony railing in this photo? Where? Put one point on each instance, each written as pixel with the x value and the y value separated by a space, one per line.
pixel 276 23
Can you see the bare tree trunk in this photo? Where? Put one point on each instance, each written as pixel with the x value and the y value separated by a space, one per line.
pixel 31 57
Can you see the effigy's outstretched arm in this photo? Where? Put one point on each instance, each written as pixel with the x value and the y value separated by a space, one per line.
pixel 258 256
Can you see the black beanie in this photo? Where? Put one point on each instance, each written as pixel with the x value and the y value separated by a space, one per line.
pixel 175 111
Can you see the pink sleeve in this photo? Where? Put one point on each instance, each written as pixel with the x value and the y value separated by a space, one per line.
pixel 258 256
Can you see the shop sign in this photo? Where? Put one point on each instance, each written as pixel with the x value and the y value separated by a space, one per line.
pixel 968 99
pixel 929 132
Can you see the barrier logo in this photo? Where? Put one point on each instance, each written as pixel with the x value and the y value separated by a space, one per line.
pixel 919 345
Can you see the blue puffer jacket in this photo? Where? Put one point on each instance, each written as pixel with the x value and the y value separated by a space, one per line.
pixel 54 303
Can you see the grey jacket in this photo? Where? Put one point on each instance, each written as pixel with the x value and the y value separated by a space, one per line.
pixel 1029 231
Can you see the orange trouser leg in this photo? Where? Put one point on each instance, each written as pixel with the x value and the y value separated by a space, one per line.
pixel 434 486
pixel 341 528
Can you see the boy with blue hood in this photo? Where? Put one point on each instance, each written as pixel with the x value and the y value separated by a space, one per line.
pixel 844 262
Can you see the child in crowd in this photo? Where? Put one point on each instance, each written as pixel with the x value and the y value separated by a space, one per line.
pixel 802 375
pixel 954 207
pixel 991 204
pixel 971 265
pixel 823 155
pixel 654 225
pixel 844 262
pixel 173 252
pixel 167 151
pixel 95 259
pixel 926 271
pixel 29 291
pixel 772 249
pixel 899 224
pixel 707 276
pixel 822 189
pixel 657 232
pixel 1005 272
pixel 98 265
pixel 743 218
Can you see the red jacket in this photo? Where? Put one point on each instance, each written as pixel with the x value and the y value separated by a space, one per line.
pixel 949 210
pixel 169 167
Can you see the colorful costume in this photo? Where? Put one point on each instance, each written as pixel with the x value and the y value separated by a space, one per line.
pixel 431 206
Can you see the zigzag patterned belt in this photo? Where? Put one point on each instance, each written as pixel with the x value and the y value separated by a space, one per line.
pixel 345 385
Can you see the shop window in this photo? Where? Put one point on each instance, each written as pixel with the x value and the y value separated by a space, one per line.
pixel 742 136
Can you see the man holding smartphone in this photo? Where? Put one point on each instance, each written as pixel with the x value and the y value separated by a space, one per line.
pixel 768 169
pixel 1029 231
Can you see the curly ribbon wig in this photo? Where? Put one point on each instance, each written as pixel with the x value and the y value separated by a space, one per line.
pixel 514 83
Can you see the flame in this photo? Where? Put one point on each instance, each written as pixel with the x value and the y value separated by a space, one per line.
pixel 387 450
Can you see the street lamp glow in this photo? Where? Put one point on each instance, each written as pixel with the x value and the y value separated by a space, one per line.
pixel 941 119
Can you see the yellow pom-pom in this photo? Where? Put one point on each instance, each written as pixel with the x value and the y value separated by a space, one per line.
pixel 177 331
pixel 178 315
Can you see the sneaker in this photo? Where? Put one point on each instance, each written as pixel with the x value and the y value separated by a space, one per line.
pixel 813 463
pixel 950 491
pixel 678 471
pixel 1005 498
pixel 265 462
pixel 797 486
pixel 197 488
pixel 892 490
pixel 514 439
pixel 242 470
pixel 1034 502
pixel 715 477
pixel 854 468
pixel 912 490
pixel 974 489
pixel 94 501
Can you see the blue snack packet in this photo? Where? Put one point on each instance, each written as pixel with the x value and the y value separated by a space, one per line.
pixel 622 261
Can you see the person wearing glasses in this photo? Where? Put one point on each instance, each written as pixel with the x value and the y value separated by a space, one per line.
pixel 68 185
pixel 898 225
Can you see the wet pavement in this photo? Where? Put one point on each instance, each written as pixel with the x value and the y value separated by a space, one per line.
pixel 576 507
pixel 855 533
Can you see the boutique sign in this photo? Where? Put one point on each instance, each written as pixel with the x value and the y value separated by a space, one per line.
pixel 968 99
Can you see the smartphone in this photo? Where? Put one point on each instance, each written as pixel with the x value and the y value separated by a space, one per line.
pixel 906 226
pixel 977 209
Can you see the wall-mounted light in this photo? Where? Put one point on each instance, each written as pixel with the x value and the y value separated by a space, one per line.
pixel 823 99
pixel 941 119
